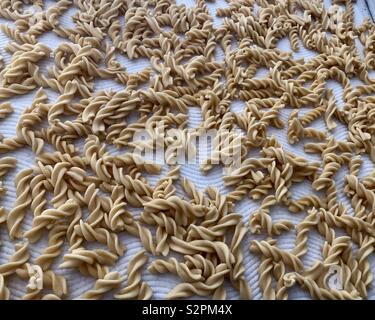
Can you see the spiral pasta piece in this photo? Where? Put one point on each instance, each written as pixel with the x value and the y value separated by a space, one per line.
pixel 18 259
pixel 17 214
pixel 135 288
pixel 110 281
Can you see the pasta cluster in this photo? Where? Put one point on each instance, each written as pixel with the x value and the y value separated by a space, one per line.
pixel 84 198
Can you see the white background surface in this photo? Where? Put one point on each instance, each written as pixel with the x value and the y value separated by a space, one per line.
pixel 162 284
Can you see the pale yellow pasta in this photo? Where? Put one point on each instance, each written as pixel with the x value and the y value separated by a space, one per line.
pixel 135 288
pixel 17 260
pixel 5 110
pixel 84 197
pixel 110 281
pixel 4 291
pixel 17 214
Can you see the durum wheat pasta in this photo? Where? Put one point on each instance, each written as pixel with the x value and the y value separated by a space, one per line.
pixel 83 197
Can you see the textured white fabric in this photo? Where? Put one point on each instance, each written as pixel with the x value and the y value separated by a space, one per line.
pixel 162 284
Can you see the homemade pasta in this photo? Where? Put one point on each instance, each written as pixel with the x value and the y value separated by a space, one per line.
pixel 90 185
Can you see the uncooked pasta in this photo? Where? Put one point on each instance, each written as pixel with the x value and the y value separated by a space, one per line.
pixel 109 154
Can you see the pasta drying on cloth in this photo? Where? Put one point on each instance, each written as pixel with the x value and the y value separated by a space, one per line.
pixel 82 196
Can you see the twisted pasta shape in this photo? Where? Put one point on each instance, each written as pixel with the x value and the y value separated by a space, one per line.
pixel 136 288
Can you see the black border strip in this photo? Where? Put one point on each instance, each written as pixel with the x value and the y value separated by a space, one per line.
pixel 129 310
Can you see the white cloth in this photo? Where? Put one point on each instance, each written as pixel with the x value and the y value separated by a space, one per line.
pixel 162 284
